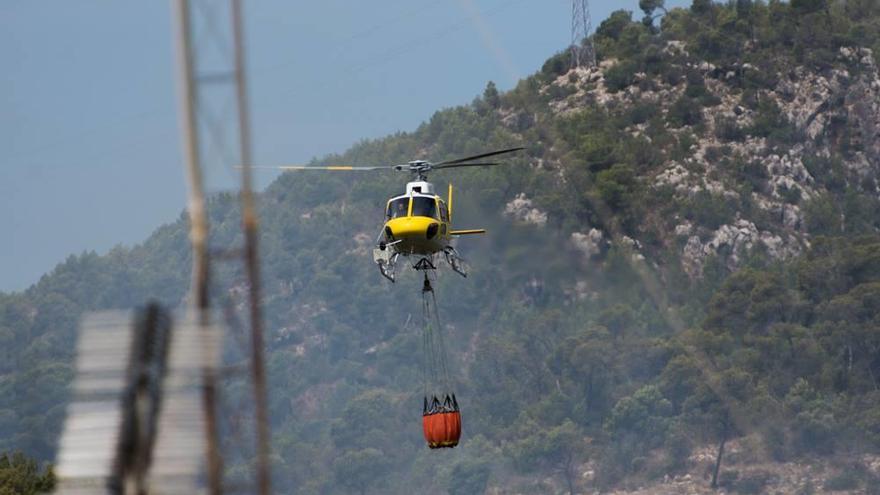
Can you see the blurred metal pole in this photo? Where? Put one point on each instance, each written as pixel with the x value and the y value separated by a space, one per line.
pixel 251 260
pixel 198 232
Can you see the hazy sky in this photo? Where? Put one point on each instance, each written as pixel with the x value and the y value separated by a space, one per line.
pixel 89 149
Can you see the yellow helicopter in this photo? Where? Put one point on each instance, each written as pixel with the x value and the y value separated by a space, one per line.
pixel 418 222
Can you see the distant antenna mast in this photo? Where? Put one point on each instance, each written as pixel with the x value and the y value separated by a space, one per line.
pixel 582 52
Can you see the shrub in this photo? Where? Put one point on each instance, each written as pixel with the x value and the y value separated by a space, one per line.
pixel 683 145
pixel 557 65
pixel 727 129
pixel 709 210
pixel 655 61
pixel 822 216
pixel 715 154
pixel 597 150
pixel 560 92
pixel 621 75
pixel 772 124
pixel 752 483
pixel 678 448
pixel 728 478
pixel 685 111
pixel 672 74
pixel 641 112
pixel 791 195
pixel 699 92
pixel 753 173
pixel 616 185
pixel 775 442
pixel 848 479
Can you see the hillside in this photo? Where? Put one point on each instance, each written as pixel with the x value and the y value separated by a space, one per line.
pixel 686 257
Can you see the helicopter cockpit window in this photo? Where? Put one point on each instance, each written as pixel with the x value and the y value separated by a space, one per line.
pixel 424 207
pixel 397 208
pixel 444 213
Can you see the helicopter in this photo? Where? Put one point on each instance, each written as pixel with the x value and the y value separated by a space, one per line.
pixel 418 222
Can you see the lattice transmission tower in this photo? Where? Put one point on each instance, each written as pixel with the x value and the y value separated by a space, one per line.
pixel 216 131
pixel 582 51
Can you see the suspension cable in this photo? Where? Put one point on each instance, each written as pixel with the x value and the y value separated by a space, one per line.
pixel 442 358
pixel 436 363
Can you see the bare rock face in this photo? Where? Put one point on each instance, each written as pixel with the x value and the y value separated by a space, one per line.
pixel 821 107
pixel 812 102
pixel 781 478
pixel 675 176
pixel 590 243
pixel 684 229
pixel 807 97
pixel 788 173
pixel 733 241
pixel 693 257
pixel 517 121
pixel 792 217
pixel 363 243
pixel 862 105
pixel 520 209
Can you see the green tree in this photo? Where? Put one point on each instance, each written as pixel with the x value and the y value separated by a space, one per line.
pixel 359 470
pixel 366 421
pixel 585 362
pixel 648 7
pixel 613 26
pixel 469 477
pixel 490 95
pixel 560 448
pixel 616 186
pixel 686 111
pixel 20 475
pixel 807 6
pixel 646 414
pixel 701 6
pixel 814 424
pixel 823 216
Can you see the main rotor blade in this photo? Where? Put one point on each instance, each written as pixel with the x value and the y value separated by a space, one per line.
pixel 476 157
pixel 335 168
pixel 453 165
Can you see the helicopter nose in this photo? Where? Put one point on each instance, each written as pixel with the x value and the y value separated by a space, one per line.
pixel 407 228
pixel 402 228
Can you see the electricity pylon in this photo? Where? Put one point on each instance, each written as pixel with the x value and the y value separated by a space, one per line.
pixel 582 51
pixel 212 74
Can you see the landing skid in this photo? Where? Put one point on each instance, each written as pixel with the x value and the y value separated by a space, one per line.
pixel 386 259
pixel 455 261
